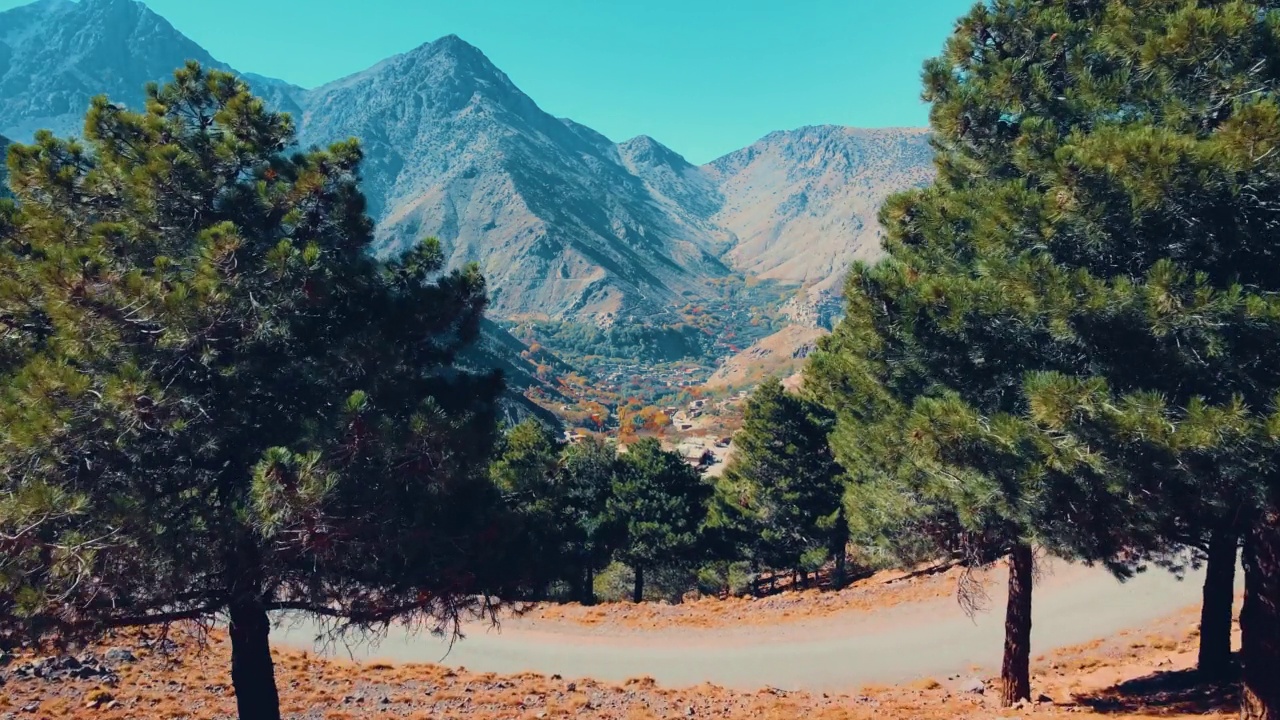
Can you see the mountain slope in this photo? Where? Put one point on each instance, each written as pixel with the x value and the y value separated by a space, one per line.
pixel 4 167
pixel 565 223
pixel 548 208
pixel 55 55
pixel 779 355
pixel 498 349
pixel 803 204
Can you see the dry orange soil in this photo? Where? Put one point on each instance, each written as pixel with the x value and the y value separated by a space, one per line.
pixel 882 590
pixel 1134 675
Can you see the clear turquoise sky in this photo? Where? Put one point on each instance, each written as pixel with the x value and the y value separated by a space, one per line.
pixel 702 76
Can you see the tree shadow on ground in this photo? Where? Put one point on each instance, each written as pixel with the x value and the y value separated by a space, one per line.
pixel 769 584
pixel 1165 693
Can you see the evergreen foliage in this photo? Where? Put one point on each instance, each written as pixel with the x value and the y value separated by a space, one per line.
pixel 1072 342
pixel 215 402
pixel 659 504
pixel 525 469
pixel 587 472
pixel 780 498
pixel 4 168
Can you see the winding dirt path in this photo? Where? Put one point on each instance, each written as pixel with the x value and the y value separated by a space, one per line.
pixel 935 638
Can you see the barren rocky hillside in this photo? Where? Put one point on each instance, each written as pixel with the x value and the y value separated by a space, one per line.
pixel 802 204
pixel 558 223
pixel 564 222
pixel 56 54
pixel 779 354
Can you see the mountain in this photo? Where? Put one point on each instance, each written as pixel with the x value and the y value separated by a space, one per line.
pixel 802 204
pixel 549 209
pixel 780 354
pixel 565 223
pixel 56 54
pixel 498 349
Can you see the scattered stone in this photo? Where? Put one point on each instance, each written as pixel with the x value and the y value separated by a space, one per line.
pixel 972 685
pixel 164 646
pixel 64 667
pixel 120 655
pixel 571 687
pixel 1042 698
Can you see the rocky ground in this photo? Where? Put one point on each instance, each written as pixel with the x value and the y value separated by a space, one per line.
pixel 185 675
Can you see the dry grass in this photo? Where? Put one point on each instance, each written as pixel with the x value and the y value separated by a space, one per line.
pixel 880 591
pixel 1112 677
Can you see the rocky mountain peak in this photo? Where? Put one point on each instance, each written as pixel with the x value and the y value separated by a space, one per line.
pixel 802 203
pixel 448 72
pixel 56 55
pixel 565 223
pixel 116 8
pixel 644 150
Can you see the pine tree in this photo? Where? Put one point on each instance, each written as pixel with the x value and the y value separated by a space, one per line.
pixel 217 403
pixel 659 505
pixel 1091 284
pixel 590 535
pixel 526 470
pixel 781 494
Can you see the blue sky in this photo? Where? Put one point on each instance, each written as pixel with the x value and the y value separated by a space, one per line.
pixel 702 76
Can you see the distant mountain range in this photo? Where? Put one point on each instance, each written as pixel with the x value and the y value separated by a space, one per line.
pixel 566 223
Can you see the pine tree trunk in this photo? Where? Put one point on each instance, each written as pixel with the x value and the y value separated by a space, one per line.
pixel 840 549
pixel 589 592
pixel 1015 673
pixel 637 593
pixel 1214 662
pixel 252 674
pixel 1260 620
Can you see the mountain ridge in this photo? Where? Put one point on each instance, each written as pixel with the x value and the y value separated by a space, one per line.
pixel 565 222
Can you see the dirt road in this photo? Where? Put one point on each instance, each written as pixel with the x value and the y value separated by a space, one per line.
pixel 843 652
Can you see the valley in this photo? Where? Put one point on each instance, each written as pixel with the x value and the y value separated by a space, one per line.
pixel 400 394
pixel 605 255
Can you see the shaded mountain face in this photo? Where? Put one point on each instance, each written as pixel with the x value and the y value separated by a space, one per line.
pixel 56 54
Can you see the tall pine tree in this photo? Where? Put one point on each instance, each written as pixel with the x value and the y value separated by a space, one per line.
pixel 590 535
pixel 1095 262
pixel 216 402
pixel 525 469
pixel 659 504
pixel 781 494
